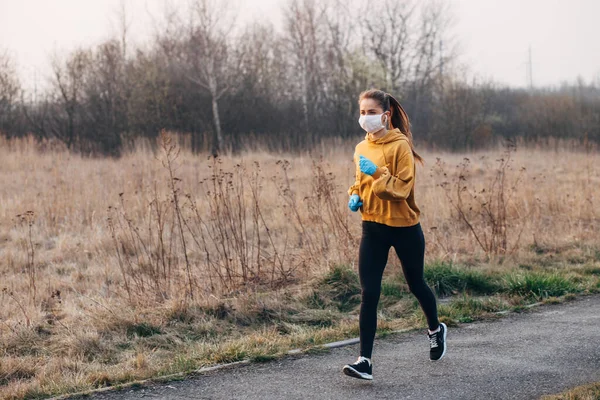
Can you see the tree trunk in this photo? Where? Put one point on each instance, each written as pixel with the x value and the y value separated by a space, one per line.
pixel 217 145
pixel 305 96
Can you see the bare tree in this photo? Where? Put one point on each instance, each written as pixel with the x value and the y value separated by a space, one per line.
pixel 304 35
pixel 434 19
pixel 390 36
pixel 123 22
pixel 148 104
pixel 463 115
pixel 261 63
pixel 68 80
pixel 10 90
pixel 107 94
pixel 207 55
pixel 404 37
pixel 339 82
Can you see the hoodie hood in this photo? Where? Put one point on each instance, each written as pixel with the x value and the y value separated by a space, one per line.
pixel 392 135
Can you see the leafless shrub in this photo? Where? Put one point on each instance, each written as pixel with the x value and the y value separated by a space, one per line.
pixel 221 241
pixel 485 210
pixel 19 302
pixel 27 219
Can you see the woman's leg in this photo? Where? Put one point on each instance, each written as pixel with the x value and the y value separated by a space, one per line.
pixel 372 258
pixel 409 244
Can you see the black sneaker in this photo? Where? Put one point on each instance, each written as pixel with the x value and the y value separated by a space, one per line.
pixel 361 369
pixel 437 343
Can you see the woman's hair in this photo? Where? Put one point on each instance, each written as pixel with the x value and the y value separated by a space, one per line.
pixel 399 118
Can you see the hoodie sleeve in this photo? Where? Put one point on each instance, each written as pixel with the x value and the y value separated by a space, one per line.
pixel 399 185
pixel 354 188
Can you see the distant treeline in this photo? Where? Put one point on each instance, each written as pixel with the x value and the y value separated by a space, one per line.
pixel 228 85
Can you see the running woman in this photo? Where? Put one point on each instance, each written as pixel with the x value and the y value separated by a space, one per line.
pixel 384 194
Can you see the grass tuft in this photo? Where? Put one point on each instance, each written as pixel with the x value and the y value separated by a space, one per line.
pixel 467 309
pixel 539 285
pixel 14 370
pixel 447 279
pixel 142 329
pixel 392 289
pixel 592 270
pixel 340 287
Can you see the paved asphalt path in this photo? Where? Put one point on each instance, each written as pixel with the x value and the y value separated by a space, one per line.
pixel 521 356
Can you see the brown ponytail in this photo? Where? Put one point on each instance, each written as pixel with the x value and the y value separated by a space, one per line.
pixel 399 118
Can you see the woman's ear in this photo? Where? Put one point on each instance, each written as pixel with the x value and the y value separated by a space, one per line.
pixel 388 119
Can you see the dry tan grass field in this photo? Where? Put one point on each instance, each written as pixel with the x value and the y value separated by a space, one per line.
pixel 96 252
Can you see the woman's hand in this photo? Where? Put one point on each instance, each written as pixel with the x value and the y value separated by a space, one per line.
pixel 354 203
pixel 367 166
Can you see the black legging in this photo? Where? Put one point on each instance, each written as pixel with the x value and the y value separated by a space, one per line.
pixel 375 244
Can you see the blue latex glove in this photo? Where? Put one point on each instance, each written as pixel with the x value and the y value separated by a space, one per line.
pixel 354 203
pixel 367 166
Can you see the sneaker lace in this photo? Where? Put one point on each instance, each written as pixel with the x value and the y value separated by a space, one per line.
pixel 361 360
pixel 433 340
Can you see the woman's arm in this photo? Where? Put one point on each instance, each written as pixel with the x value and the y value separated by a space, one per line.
pixel 398 186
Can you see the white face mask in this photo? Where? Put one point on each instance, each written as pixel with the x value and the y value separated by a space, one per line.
pixel 371 123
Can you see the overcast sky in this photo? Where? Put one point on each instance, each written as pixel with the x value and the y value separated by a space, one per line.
pixel 494 35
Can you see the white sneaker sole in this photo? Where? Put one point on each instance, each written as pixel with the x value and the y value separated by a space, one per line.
pixel 445 345
pixel 348 370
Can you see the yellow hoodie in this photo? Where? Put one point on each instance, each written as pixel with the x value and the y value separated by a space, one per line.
pixel 390 198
